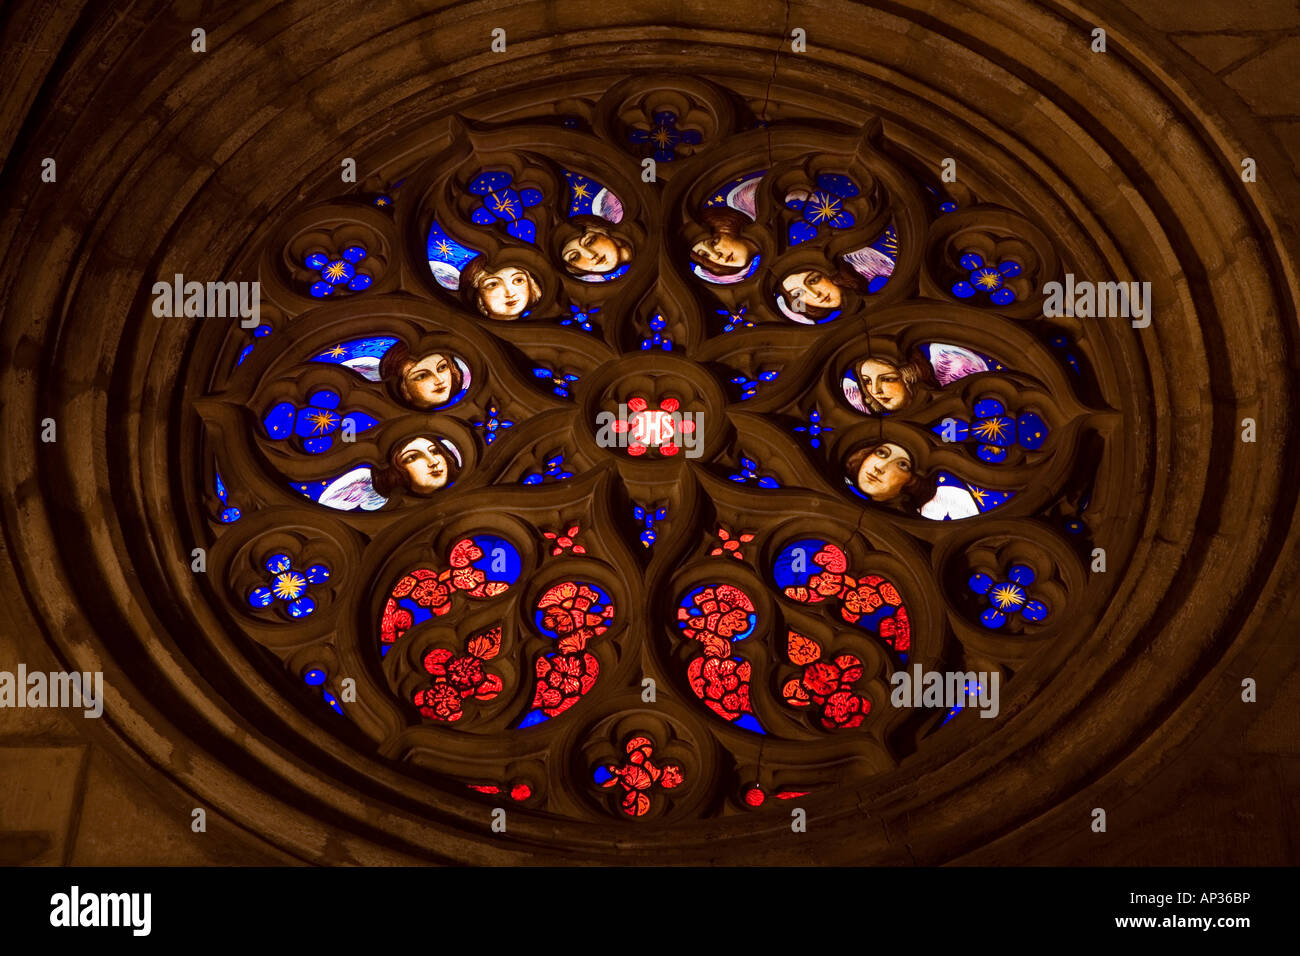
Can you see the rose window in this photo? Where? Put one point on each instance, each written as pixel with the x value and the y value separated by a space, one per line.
pixel 601 493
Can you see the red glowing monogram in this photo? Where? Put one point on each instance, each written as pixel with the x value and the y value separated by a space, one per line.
pixel 648 427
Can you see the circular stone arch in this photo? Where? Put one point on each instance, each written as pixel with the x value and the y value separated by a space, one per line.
pixel 175 162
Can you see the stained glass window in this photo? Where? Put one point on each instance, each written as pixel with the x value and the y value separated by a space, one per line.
pixel 654 481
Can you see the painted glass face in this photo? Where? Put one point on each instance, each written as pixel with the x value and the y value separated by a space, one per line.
pixel 504 293
pixel 885 472
pixel 593 251
pixel 429 381
pixel 425 463
pixel 725 251
pixel 884 382
pixel 814 288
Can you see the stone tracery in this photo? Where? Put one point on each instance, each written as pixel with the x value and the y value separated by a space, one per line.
pixel 471 385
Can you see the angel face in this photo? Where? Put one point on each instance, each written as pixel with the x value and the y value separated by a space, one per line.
pixel 813 287
pixel 724 251
pixel 506 293
pixel 424 463
pixel 593 251
pixel 885 472
pixel 429 381
pixel 884 382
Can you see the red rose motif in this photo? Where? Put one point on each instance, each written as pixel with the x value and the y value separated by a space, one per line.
pixel 439 702
pixel 861 600
pixel 562 679
pixel 433 590
pixel 844 709
pixel 465 673
pixel 888 592
pixel 461 675
pixel 719 613
pixel 469 579
pixel 821 679
pixel 640 774
pixel 897 631
pixel 394 623
pixel 850 669
pixel 825 685
pixel 435 662
pixel 826 584
pixel 464 553
pixel 722 683
pixel 832 559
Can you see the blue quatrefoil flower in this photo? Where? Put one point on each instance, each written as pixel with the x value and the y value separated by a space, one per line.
pixel 337 273
pixel 560 382
pixel 824 206
pixel 996 430
pixel 814 429
pixel 554 472
pixel 288 586
pixel 987 280
pixel 493 423
pixel 664 136
pixel 315 423
pixel 1008 598
pixel 503 203
pixel 749 474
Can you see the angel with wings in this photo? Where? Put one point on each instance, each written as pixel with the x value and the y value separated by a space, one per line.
pixel 420 466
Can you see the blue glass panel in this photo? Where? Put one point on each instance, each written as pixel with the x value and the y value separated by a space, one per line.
pixel 1022 574
pixel 1031 431
pixel 302 607
pixel 360 421
pixel 801 231
pixel 794 564
pixel 489 182
pixel 316 446
pixel 839 185
pixel 749 722
pixel 279 420
pixel 522 229
pixel 500 561
pixel 531 718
